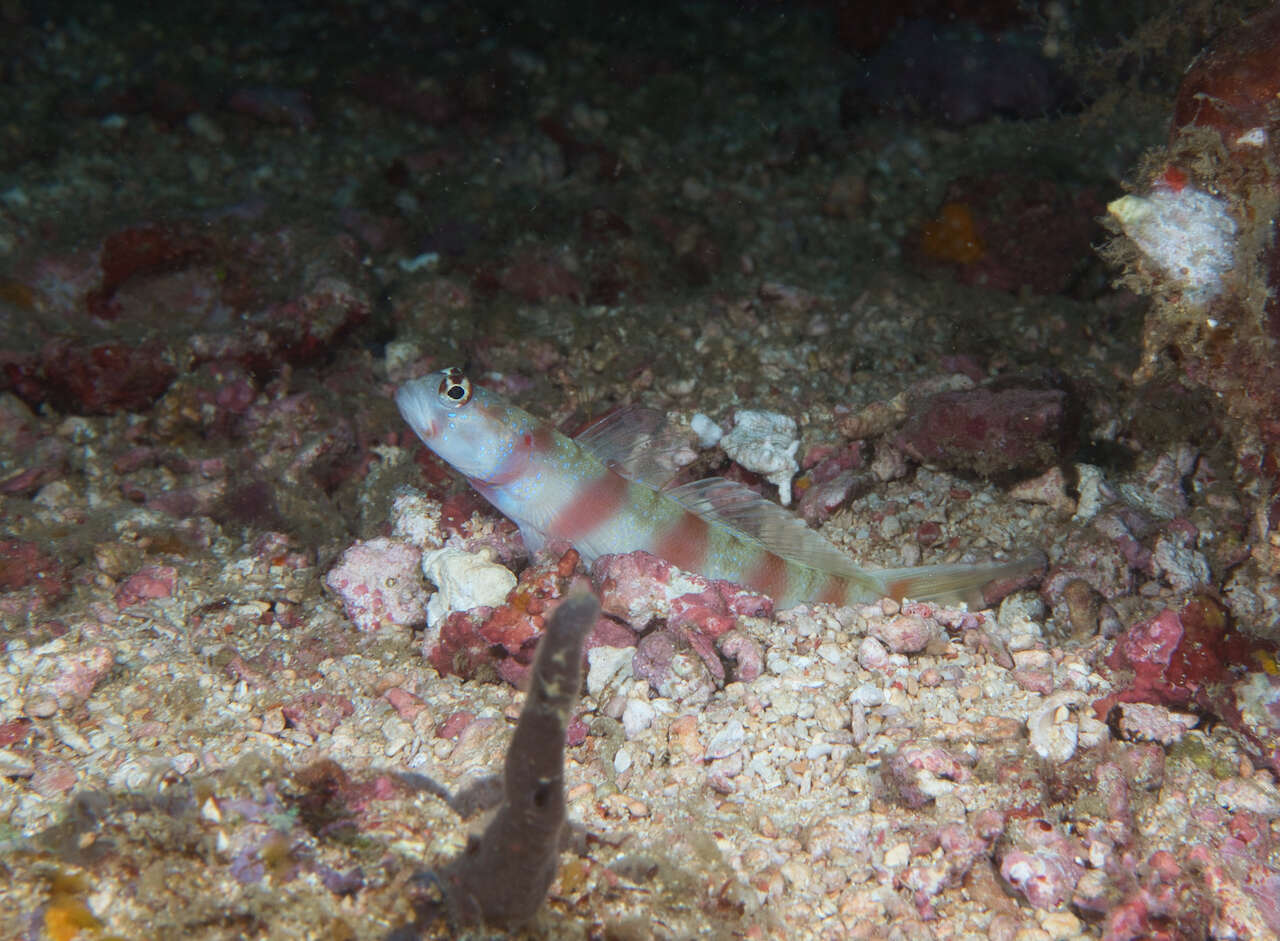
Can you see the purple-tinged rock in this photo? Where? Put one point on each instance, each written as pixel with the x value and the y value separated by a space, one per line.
pixel 920 773
pixel 746 653
pixel 905 633
pixel 65 679
pixel 380 584
pixel 990 432
pixel 24 565
pixel 316 713
pixel 1043 865
pixel 147 584
pixel 1140 721
pixel 654 655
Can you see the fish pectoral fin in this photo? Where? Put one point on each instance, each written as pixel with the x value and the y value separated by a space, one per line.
pixel 779 531
pixel 638 443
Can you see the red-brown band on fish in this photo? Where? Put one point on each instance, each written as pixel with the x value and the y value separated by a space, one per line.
pixel 685 544
pixel 769 576
pixel 516 464
pixel 597 501
pixel 834 590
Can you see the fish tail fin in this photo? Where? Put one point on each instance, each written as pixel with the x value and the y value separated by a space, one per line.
pixel 955 583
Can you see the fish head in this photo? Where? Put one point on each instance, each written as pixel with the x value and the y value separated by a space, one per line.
pixel 469 427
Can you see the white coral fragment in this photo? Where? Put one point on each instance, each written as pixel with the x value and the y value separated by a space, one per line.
pixel 1187 234
pixel 463 581
pixel 765 442
pixel 1053 731
pixel 708 432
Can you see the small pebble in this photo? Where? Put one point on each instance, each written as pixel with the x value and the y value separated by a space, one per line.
pixel 636 718
pixel 1249 794
pixel 897 856
pixel 872 655
pixel 1053 730
pixel 607 666
pixel 727 741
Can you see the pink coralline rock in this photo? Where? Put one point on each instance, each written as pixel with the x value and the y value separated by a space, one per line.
pixel 872 655
pixel 745 651
pixel 905 633
pixel 1035 681
pixel 31 457
pixel 640 588
pixel 609 633
pixel 654 655
pixel 15 731
pixel 380 584
pixel 1042 865
pixel 501 640
pixel 454 723
pixel 317 713
pixel 962 846
pixel 919 773
pixel 673 670
pixel 744 602
pixel 820 500
pixel 24 566
pixel 1185 657
pixel 65 679
pixel 1147 722
pixel 704 611
pixel 181 503
pixel 150 583
pixel 406 705
pixel 636 587
pixel 704 648
pixel 1239 912
pixel 827 482
pixel 54 777
pixel 79 673
pixel 111 322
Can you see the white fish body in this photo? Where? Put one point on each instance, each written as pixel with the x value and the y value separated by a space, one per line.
pixel 605 492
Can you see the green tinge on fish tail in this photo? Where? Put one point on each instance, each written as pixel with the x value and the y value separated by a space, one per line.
pixel 951 584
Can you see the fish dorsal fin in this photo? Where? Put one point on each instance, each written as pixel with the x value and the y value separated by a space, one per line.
pixel 638 443
pixel 717 500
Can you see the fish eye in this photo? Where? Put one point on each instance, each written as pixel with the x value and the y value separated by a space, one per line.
pixel 455 388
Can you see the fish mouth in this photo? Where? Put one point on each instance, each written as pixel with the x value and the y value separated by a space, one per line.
pixel 426 429
pixel 413 399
